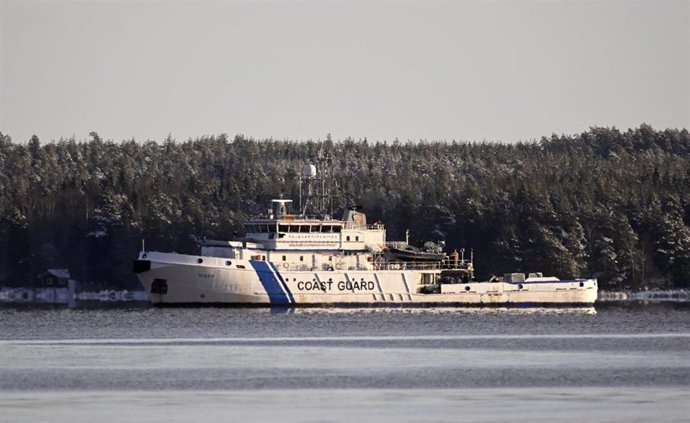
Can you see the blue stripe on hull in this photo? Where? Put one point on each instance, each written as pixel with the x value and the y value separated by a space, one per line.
pixel 275 291
pixel 282 282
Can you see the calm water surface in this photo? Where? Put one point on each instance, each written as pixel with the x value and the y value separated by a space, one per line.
pixel 617 363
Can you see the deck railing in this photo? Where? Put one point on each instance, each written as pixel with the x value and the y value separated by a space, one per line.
pixel 447 264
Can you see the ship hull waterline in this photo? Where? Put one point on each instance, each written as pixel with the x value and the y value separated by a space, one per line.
pixel 176 280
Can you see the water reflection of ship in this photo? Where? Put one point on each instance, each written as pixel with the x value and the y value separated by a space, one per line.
pixel 427 310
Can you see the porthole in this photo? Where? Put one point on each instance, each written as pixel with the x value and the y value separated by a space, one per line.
pixel 228 263
pixel 467 287
pixel 519 286
pixel 582 284
pixel 199 261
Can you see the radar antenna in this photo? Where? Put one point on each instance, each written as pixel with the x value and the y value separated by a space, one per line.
pixel 315 191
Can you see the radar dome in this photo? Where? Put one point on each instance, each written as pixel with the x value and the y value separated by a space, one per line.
pixel 310 170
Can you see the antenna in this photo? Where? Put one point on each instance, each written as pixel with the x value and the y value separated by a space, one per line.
pixel 309 174
pixel 316 189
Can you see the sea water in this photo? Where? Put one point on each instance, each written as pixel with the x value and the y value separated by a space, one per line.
pixel 612 363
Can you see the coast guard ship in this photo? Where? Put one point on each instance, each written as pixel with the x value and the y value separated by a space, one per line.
pixel 314 260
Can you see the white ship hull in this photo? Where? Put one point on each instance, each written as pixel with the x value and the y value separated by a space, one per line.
pixel 176 279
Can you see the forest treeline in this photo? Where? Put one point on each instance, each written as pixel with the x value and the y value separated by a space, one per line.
pixel 606 203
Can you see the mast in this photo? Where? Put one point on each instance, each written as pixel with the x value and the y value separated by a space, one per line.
pixel 308 175
pixel 315 188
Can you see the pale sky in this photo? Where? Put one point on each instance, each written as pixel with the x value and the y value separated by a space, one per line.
pixel 436 70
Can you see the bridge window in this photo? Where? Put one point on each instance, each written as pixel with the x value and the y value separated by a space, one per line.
pixel 283 228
